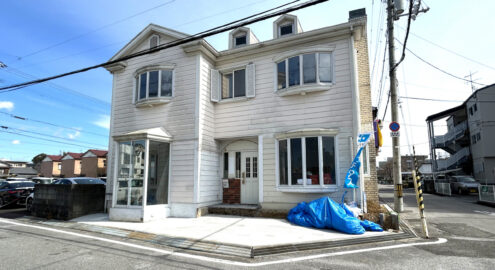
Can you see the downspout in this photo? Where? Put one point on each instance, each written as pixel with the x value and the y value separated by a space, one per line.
pixel 356 113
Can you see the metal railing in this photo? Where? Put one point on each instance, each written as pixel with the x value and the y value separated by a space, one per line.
pixel 443 164
pixel 486 193
pixel 443 188
pixel 451 135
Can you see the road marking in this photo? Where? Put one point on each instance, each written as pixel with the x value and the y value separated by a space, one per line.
pixel 223 261
pixel 472 239
pixel 485 213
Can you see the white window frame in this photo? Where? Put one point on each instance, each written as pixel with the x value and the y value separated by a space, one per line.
pixel 292 24
pixel 137 84
pixel 304 87
pixel 243 34
pixel 231 71
pixel 321 187
pixel 365 159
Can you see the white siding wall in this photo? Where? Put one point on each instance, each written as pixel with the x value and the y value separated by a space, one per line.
pixel 269 113
pixel 177 117
pixel 210 190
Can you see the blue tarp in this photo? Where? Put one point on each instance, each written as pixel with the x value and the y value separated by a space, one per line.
pixel 324 213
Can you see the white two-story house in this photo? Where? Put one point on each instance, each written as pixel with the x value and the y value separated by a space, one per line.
pixel 267 123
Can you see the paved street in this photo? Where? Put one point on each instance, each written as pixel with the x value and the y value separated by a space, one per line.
pixel 465 225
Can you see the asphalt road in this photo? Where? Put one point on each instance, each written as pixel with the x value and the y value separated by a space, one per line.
pixel 467 227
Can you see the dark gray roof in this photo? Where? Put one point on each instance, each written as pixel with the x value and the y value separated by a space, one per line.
pixel 23 171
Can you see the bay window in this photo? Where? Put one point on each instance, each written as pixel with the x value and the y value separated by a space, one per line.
pixel 305 69
pixel 142 173
pixel 306 161
pixel 154 84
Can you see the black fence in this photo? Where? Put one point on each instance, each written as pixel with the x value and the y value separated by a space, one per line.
pixel 67 201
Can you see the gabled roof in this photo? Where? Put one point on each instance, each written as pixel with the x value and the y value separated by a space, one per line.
pixel 145 33
pixel 96 152
pixel 73 155
pixel 54 157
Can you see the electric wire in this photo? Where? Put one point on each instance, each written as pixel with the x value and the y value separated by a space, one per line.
pixel 406 37
pixel 52 124
pixel 201 35
pixel 95 30
pixel 45 139
pixel 439 69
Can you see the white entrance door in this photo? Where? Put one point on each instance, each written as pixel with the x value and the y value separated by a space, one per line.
pixel 249 178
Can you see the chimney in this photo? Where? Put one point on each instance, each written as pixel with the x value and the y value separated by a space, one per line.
pixel 357 14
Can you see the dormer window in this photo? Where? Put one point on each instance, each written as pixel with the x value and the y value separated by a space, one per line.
pixel 286 29
pixel 154 40
pixel 240 40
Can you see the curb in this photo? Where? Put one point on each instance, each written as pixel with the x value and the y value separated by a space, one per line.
pixel 220 248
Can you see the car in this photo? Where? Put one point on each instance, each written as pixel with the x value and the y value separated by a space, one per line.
pixel 80 180
pixel 463 184
pixel 15 192
pixel 42 180
pixel 16 179
pixel 66 181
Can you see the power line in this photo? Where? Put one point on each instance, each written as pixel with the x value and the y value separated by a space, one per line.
pixel 95 30
pixel 124 41
pixel 51 124
pixel 44 139
pixel 406 37
pixel 49 136
pixel 432 99
pixel 437 68
pixel 453 52
pixel 201 35
pixel 62 88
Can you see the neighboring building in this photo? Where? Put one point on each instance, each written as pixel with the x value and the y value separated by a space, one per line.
pixel 24 172
pixel 94 163
pixel 17 164
pixel 468 140
pixel 4 169
pixel 51 166
pixel 71 165
pixel 268 123
pixel 385 168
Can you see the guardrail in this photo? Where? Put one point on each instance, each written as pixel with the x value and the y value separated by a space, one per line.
pixel 486 193
pixel 443 188
pixel 455 133
pixel 443 164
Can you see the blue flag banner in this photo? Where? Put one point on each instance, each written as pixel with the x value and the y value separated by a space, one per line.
pixel 352 177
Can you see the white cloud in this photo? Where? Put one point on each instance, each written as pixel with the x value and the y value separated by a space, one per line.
pixel 74 135
pixel 8 105
pixel 16 142
pixel 103 121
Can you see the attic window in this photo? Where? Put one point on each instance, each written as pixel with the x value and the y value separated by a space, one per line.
pixel 286 29
pixel 240 40
pixel 154 41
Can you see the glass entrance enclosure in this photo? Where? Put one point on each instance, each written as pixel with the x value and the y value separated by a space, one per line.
pixel 142 173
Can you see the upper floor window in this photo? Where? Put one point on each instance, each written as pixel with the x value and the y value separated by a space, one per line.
pixel 286 29
pixel 154 40
pixel 154 84
pixel 240 40
pixel 234 84
pixel 304 69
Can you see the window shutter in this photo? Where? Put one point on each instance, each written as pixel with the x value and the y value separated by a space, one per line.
pixel 215 85
pixel 250 81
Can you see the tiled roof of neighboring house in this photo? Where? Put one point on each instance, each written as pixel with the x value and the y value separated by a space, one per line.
pixel 55 157
pixel 98 153
pixel 75 155
pixel 23 171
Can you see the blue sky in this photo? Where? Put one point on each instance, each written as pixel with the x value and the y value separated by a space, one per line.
pixel 43 38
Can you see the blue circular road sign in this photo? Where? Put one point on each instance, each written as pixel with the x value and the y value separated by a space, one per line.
pixel 394 126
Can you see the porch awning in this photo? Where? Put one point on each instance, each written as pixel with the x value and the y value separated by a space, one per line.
pixel 157 133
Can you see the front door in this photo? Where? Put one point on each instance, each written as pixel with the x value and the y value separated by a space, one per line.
pixel 249 178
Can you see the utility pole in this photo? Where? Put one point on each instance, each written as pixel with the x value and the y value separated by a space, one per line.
pixel 397 177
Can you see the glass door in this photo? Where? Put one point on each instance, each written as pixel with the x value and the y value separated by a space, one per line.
pixel 130 176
